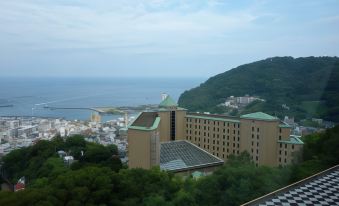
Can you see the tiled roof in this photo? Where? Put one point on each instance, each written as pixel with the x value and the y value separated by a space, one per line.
pixel 259 116
pixel 168 102
pixel 319 189
pixel 183 155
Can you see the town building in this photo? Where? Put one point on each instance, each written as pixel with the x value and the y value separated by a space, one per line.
pixel 266 138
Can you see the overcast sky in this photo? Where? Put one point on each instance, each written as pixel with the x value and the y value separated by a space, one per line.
pixel 159 37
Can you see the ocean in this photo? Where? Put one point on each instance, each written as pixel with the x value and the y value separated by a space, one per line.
pixel 29 95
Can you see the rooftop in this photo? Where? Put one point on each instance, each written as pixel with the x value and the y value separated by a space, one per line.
pixel 319 189
pixel 146 121
pixel 168 102
pixel 183 155
pixel 294 139
pixel 259 116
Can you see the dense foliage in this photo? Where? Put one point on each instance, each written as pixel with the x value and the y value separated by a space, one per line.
pixel 94 181
pixel 42 160
pixel 309 86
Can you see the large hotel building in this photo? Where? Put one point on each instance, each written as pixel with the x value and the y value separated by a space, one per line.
pixel 267 139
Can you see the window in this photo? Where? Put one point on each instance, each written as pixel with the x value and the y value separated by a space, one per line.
pixel 258 129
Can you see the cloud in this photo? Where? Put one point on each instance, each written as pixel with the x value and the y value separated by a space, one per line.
pixel 66 25
pixel 208 35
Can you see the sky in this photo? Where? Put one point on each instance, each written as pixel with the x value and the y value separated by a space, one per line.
pixel 159 38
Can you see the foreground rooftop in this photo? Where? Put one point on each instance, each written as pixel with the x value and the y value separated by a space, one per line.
pixel 319 189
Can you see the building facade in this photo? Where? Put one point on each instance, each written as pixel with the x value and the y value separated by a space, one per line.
pixel 267 139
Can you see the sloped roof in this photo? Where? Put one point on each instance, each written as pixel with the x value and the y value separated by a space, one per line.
pixel 146 121
pixel 182 155
pixel 319 189
pixel 294 139
pixel 168 102
pixel 259 116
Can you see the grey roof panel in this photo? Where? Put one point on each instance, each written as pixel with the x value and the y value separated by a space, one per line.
pixel 181 155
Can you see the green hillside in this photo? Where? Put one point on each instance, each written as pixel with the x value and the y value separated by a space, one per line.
pixel 309 86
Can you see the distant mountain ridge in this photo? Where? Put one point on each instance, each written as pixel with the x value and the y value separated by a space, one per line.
pixel 309 86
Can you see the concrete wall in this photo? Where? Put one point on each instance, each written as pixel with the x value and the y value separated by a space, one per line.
pixel 142 152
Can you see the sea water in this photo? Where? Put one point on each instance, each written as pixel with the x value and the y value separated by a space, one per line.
pixel 28 96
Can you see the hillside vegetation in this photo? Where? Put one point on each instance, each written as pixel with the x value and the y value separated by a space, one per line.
pixel 98 178
pixel 309 86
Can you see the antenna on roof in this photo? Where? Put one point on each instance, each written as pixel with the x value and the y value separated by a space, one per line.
pixel 163 96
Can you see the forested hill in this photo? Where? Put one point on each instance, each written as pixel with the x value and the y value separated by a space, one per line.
pixel 309 86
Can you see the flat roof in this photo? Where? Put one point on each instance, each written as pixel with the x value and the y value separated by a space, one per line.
pixel 182 155
pixel 259 116
pixel 319 189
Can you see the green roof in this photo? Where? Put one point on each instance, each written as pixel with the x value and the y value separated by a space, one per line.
pixel 168 102
pixel 294 139
pixel 259 116
pixel 285 125
pixel 212 118
pixel 197 174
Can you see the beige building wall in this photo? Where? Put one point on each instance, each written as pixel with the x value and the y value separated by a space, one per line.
pixel 164 126
pixel 259 138
pixel 180 124
pixel 288 153
pixel 165 123
pixel 143 148
pixel 220 138
pixel 225 137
